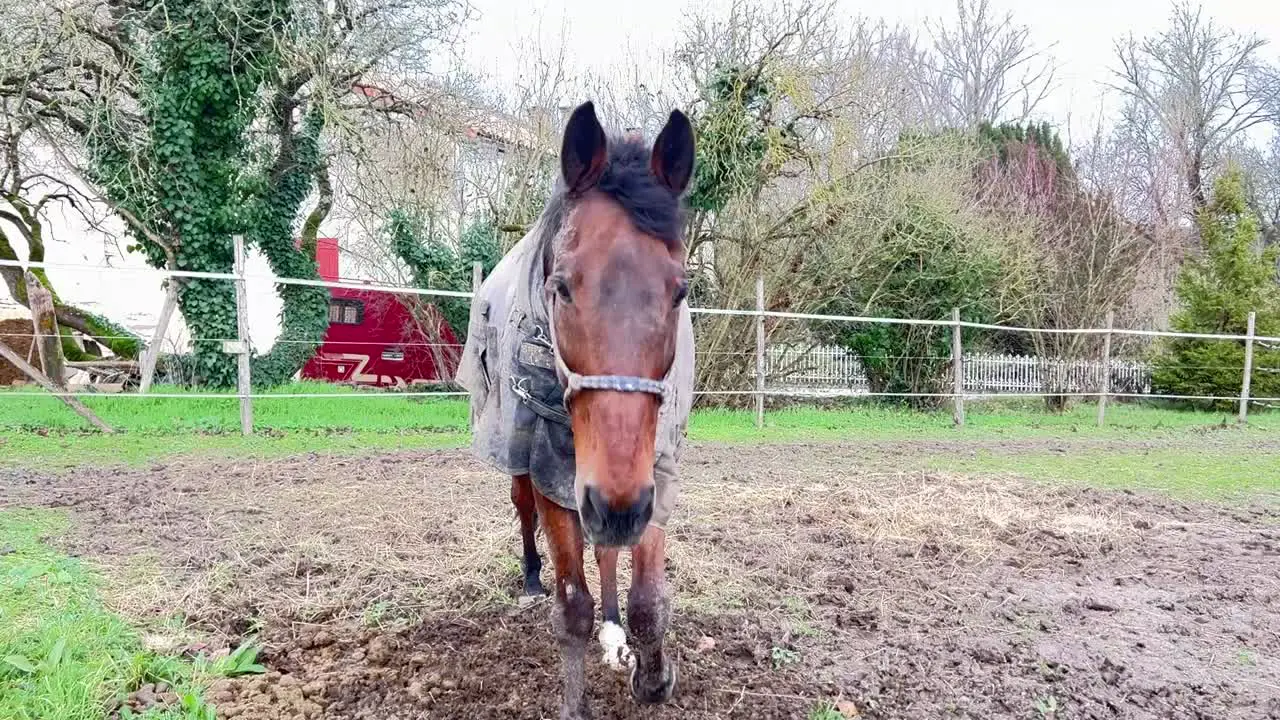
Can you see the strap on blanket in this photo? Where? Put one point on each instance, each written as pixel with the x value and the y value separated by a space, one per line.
pixel 519 386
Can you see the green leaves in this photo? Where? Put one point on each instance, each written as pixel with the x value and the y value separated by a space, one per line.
pixel 241 661
pixel 437 264
pixel 20 664
pixel 1217 290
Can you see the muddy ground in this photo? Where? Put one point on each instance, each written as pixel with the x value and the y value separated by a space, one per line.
pixel 384 588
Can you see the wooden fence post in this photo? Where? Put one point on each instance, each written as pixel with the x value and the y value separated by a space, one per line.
pixel 242 344
pixel 47 339
pixel 157 337
pixel 957 367
pixel 1106 370
pixel 477 277
pixel 1248 370
pixel 759 351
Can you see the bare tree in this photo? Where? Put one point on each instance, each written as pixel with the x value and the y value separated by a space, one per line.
pixel 1081 256
pixel 1262 169
pixel 1203 86
pixel 984 68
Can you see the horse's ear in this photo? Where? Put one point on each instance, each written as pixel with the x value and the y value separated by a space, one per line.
pixel 584 151
pixel 672 157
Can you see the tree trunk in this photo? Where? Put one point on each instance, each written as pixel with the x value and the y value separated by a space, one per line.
pixel 122 343
pixel 47 337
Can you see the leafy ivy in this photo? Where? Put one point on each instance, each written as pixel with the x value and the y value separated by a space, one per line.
pixel 437 264
pixel 196 170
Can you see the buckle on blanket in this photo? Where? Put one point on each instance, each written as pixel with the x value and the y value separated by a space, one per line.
pixel 519 386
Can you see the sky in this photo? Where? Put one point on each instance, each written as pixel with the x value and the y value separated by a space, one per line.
pixel 602 36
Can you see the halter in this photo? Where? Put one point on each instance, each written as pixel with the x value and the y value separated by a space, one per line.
pixel 613 383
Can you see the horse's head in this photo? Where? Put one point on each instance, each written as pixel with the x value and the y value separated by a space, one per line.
pixel 614 292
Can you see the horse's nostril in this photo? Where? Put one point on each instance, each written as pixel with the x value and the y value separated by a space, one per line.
pixel 611 526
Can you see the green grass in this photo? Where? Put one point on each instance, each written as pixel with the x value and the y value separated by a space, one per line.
pixel 41 431
pixel 985 420
pixel 385 413
pixel 63 655
pixel 1191 473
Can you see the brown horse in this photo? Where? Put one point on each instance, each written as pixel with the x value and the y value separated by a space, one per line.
pixel 608 385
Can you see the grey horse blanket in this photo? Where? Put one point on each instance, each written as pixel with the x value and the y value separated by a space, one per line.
pixel 518 419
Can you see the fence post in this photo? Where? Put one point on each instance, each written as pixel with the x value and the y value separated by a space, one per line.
pixel 1248 370
pixel 477 277
pixel 44 320
pixel 242 345
pixel 957 367
pixel 157 337
pixel 759 351
pixel 1106 370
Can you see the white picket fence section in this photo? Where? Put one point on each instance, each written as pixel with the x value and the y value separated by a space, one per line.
pixel 835 368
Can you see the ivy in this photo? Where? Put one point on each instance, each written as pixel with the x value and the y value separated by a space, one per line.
pixel 305 316
pixel 194 176
pixel 436 264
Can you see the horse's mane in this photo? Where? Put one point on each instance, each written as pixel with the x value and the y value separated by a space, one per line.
pixel 653 208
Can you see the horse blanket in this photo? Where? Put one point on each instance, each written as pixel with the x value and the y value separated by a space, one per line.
pixel 519 423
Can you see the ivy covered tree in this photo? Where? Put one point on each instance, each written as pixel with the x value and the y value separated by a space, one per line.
pixel 436 263
pixel 926 264
pixel 176 165
pixel 1217 289
pixel 199 120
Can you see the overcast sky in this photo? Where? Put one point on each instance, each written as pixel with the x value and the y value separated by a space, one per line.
pixel 601 36
pixel 1080 34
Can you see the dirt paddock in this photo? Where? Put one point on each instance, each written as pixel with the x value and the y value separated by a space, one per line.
pixel 384 587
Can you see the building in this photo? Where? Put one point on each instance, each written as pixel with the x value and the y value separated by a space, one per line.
pixel 375 339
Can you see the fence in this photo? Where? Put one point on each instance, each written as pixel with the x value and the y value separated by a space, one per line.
pixel 973 376
pixel 836 368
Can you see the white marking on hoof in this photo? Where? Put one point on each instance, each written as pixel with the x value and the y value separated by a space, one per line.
pixel 613 639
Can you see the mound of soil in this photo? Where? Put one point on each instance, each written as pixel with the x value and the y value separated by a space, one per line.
pixel 501 665
pixel 801 576
pixel 16 334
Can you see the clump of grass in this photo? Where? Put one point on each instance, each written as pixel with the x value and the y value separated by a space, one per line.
pixel 63 655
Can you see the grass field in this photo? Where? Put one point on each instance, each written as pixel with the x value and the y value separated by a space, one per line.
pixel 63 655
pixel 42 431
pixel 1141 446
pixel 66 654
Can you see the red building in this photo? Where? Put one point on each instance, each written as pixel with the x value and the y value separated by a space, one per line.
pixel 373 338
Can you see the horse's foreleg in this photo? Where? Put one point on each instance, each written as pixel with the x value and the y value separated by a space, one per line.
pixel 613 639
pixel 527 509
pixel 574 611
pixel 653 678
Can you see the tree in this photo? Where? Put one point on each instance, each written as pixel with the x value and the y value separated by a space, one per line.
pixel 984 68
pixel 933 254
pixel 27 194
pixel 1078 256
pixel 1217 290
pixel 197 121
pixel 1202 85
pixel 438 264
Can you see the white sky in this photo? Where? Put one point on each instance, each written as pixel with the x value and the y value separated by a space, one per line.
pixel 603 35
pixel 1080 34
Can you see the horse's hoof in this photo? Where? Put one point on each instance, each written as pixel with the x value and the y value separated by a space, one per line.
pixel 654 695
pixel 529 600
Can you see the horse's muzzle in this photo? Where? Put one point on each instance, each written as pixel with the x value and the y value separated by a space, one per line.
pixel 605 526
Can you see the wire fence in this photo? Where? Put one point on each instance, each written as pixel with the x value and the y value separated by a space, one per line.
pixel 818 372
pixel 834 367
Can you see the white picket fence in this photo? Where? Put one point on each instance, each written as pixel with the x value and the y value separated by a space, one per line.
pixel 835 368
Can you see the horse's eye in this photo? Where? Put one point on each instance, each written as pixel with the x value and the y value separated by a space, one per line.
pixel 682 291
pixel 562 289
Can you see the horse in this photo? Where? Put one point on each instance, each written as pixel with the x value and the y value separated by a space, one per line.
pixel 579 366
